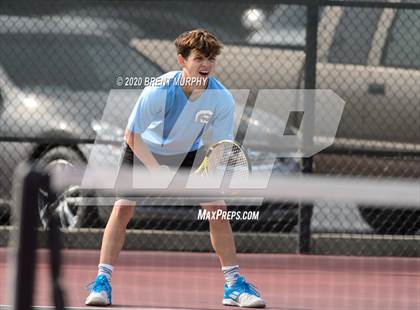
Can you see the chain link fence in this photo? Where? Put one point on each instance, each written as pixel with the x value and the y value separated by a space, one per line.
pixel 370 63
pixel 59 61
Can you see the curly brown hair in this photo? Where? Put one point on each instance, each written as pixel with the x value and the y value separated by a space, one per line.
pixel 198 40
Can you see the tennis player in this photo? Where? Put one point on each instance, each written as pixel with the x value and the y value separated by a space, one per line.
pixel 166 128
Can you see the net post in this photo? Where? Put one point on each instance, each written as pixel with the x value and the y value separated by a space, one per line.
pixel 306 209
pixel 27 185
pixel 54 245
pixel 26 189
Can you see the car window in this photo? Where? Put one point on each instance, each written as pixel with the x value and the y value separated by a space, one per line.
pixel 284 25
pixel 353 37
pixel 402 48
pixel 71 61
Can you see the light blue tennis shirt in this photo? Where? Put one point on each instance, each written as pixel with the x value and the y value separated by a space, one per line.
pixel 171 124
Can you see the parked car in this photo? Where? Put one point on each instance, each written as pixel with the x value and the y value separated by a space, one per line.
pixel 362 63
pixel 56 73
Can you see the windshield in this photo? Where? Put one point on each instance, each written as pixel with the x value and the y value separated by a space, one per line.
pixel 284 25
pixel 77 62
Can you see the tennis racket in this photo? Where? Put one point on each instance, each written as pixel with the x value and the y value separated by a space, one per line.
pixel 226 157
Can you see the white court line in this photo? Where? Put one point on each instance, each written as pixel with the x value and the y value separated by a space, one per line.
pixel 102 308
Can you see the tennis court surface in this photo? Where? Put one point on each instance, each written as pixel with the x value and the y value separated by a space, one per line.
pixel 183 280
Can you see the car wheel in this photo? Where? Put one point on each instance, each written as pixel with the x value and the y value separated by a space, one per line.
pixel 68 205
pixel 391 221
pixel 103 214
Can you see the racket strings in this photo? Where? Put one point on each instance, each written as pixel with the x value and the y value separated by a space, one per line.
pixel 230 160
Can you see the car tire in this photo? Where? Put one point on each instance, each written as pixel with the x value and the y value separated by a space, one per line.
pixel 391 221
pixel 103 214
pixel 71 212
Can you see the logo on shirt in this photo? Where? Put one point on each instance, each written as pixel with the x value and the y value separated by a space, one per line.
pixel 203 116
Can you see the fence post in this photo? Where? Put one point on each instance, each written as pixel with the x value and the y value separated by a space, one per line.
pixel 305 209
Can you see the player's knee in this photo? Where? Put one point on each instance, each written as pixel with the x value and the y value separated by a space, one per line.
pixel 124 210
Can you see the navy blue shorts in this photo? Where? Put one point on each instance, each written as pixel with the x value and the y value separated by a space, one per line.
pixel 129 160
